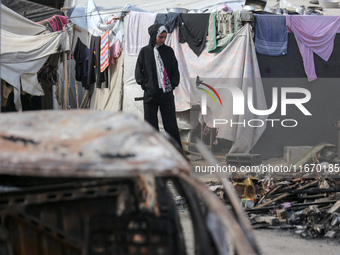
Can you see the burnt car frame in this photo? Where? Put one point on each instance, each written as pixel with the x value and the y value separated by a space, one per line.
pixel 95 182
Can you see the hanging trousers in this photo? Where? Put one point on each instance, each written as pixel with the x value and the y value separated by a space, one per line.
pixel 168 113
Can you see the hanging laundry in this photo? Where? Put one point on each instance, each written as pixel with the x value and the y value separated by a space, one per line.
pixel 94 61
pixel 48 74
pixel 193 29
pixel 314 34
pixel 138 38
pixel 206 130
pixel 168 19
pixel 81 56
pixel 222 28
pixel 115 52
pixel 104 51
pixel 55 23
pixel 271 36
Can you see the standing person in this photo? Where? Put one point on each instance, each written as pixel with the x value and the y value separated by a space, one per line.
pixel 157 73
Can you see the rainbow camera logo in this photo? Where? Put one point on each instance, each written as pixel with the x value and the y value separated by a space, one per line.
pixel 204 99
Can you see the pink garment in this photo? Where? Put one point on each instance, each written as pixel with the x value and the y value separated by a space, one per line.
pixel 314 34
pixel 55 23
pixel 115 50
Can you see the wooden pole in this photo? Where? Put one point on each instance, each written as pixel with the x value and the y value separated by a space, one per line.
pixel 77 96
pixel 66 80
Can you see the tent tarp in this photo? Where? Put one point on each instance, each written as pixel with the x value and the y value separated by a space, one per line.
pixel 17 24
pixel 23 54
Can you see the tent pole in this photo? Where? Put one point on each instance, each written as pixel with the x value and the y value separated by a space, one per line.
pixel 77 95
pixel 0 94
pixel 66 80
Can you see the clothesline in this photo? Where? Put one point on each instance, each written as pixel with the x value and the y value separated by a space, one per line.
pixel 123 13
pixel 270 33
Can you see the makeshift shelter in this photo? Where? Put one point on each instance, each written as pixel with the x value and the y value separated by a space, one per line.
pixel 136 36
pixel 25 48
pixel 245 67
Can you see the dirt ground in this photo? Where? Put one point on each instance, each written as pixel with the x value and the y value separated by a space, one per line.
pixel 282 242
pixel 273 241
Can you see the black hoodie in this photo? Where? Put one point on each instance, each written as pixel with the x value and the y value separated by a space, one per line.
pixel 146 74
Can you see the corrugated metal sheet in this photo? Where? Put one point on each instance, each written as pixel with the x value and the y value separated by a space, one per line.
pixel 84 143
pixel 33 11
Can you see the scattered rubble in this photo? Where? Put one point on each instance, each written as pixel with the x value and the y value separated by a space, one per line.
pixel 306 199
pixel 309 206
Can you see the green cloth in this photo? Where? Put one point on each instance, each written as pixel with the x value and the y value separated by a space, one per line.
pixel 222 28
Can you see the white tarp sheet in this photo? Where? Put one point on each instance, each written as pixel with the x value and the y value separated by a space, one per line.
pixel 17 24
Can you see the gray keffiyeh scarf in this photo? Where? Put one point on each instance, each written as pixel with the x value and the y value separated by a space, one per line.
pixel 163 79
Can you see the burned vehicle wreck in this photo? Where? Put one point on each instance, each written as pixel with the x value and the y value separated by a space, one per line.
pixel 95 182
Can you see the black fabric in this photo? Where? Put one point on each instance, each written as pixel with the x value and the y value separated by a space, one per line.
pixel 311 130
pixel 168 113
pixel 161 18
pixel 146 74
pixel 81 58
pixel 28 103
pixel 168 19
pixel 193 29
pixel 94 65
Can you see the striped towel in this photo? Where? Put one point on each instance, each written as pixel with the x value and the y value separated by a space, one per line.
pixel 104 51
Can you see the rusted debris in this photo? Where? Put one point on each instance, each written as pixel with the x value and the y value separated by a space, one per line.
pixel 301 202
pixel 311 206
pixel 272 220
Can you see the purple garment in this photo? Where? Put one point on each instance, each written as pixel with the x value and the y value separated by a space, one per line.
pixel 314 34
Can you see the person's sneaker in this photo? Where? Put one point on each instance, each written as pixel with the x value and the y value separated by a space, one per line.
pixel 314 1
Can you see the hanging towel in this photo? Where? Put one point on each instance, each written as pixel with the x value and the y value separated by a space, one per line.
pixel 271 37
pixel 137 35
pixel 104 51
pixel 222 28
pixel 314 34
pixel 193 29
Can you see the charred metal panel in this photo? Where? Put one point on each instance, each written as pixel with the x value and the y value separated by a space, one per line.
pixel 84 143
pixel 89 219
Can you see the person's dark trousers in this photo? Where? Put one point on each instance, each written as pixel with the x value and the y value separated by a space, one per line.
pixel 168 113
